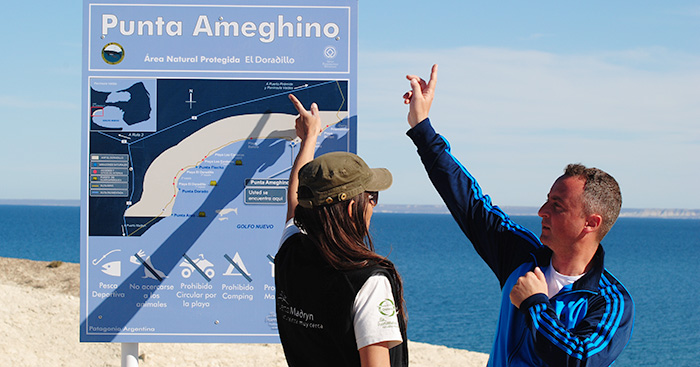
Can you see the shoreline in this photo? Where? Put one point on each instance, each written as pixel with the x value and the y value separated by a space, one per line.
pixel 661 213
pixel 39 323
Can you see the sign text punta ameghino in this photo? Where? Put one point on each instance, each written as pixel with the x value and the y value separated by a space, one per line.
pixel 265 31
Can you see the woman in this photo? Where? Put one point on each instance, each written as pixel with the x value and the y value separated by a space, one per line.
pixel 338 302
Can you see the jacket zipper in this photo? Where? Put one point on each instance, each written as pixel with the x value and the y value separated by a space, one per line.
pixel 517 347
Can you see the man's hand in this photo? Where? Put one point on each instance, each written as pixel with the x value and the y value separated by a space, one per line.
pixel 308 124
pixel 529 284
pixel 420 97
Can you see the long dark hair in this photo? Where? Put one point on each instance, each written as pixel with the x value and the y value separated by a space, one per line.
pixel 343 240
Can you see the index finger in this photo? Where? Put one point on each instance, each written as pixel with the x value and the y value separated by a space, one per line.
pixel 433 77
pixel 297 104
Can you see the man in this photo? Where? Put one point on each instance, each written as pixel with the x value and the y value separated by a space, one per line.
pixel 560 306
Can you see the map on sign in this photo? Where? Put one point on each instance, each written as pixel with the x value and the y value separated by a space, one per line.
pixel 205 147
pixel 123 104
pixel 181 212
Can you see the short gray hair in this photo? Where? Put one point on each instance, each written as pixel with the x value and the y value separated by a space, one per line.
pixel 601 194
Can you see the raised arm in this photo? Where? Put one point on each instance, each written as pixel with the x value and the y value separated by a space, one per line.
pixel 420 97
pixel 308 126
pixel 502 244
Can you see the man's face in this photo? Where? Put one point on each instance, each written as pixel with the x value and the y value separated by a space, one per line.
pixel 563 219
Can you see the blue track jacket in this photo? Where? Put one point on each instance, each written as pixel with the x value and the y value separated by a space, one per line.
pixel 587 323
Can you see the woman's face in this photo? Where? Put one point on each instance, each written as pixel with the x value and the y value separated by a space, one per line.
pixel 369 209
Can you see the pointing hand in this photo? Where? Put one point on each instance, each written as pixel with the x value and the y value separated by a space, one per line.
pixel 420 97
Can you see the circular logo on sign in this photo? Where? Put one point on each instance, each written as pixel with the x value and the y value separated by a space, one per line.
pixel 387 308
pixel 113 53
pixel 330 52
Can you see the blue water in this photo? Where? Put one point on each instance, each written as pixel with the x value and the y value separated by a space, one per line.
pixel 43 233
pixel 452 296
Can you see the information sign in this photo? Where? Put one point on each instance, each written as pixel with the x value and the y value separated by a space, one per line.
pixel 188 140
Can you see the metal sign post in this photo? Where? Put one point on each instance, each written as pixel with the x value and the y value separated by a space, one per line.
pixel 130 354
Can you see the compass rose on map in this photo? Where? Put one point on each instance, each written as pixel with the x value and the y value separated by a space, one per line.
pixel 191 101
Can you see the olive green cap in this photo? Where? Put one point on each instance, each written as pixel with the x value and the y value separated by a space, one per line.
pixel 338 176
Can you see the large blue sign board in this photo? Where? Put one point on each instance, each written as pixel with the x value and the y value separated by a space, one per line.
pixel 188 140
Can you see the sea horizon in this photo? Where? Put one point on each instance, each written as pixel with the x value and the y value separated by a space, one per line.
pixel 668 213
pixel 452 297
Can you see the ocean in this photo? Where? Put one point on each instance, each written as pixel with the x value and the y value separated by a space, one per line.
pixel 451 295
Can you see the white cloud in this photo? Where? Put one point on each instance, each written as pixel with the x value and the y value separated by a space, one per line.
pixel 9 102
pixel 520 116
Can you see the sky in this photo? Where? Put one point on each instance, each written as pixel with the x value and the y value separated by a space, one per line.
pixel 524 88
